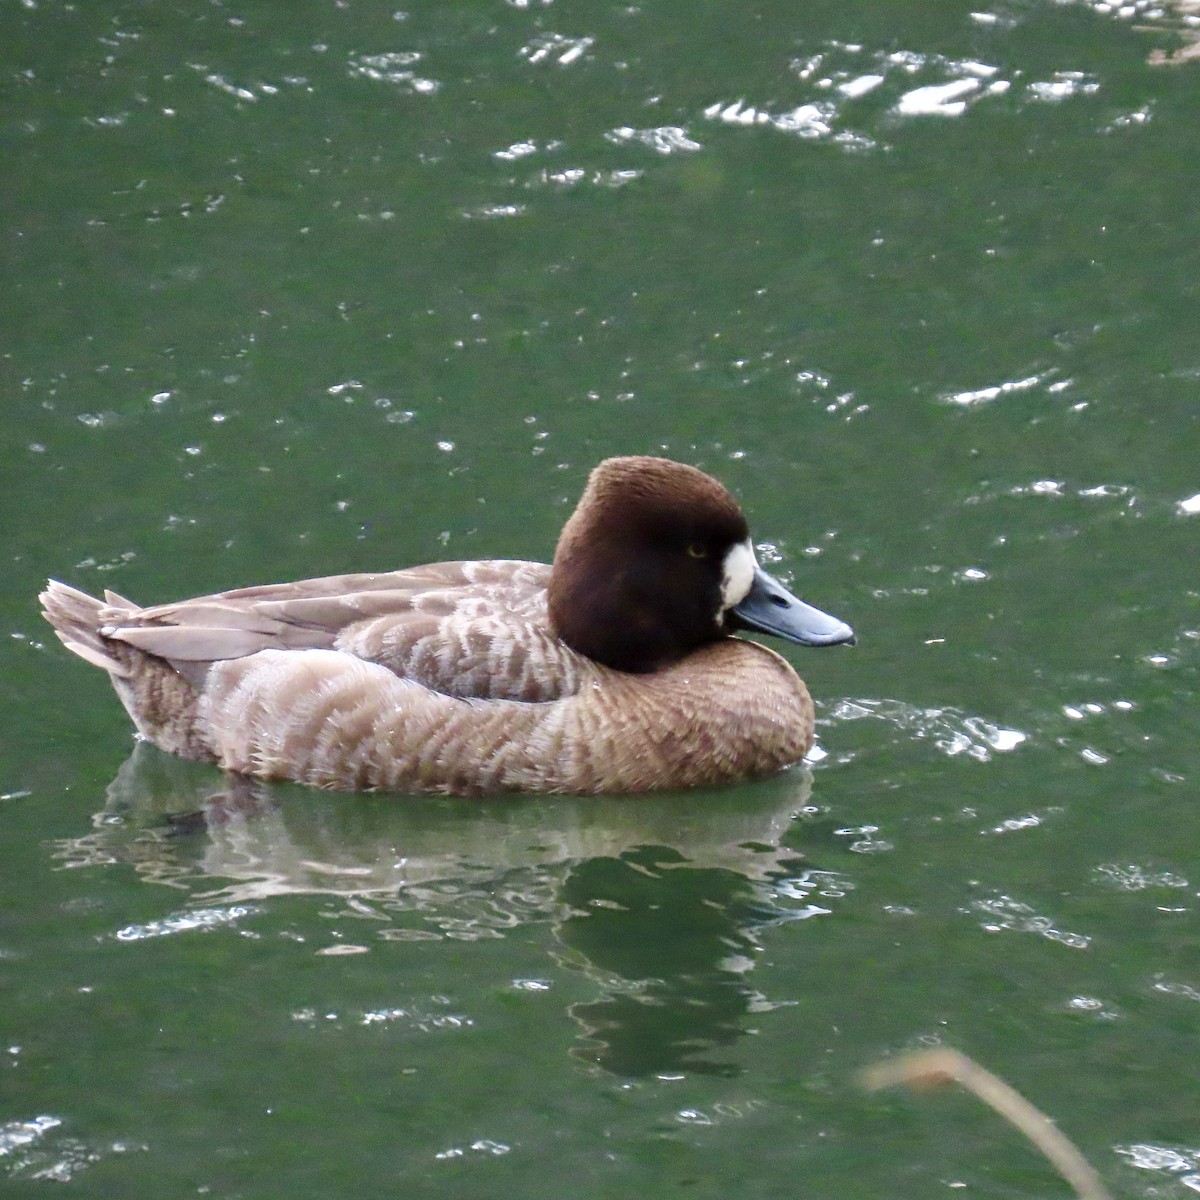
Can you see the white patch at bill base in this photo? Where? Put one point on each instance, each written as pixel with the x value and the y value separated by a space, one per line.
pixel 740 565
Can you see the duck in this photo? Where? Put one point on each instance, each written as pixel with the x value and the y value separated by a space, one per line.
pixel 614 669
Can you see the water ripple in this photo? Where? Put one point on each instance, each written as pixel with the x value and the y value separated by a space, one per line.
pixel 419 1018
pixel 1039 487
pixel 943 100
pixel 720 1113
pixel 1063 84
pixel 1132 878
pixel 1031 820
pixel 15 1134
pixel 557 49
pixel 985 395
pixel 1176 988
pixel 841 81
pixel 490 212
pixel 810 121
pixel 248 92
pixel 29 1154
pixel 1002 913
pixel 1057 489
pixel 185 922
pixel 799 897
pixel 570 176
pixel 951 730
pixel 395 68
pixel 666 139
pixel 479 1146
pixel 1169 1160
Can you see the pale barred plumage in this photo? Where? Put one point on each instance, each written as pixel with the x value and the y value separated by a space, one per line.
pixel 458 677
pixel 357 725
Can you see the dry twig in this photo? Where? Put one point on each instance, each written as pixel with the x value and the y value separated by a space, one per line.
pixel 931 1067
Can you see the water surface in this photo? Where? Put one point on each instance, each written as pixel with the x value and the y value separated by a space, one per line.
pixel 308 288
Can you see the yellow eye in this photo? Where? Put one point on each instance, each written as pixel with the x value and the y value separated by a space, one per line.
pixel 696 550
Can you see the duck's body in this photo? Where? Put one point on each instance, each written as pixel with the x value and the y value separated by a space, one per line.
pixel 612 671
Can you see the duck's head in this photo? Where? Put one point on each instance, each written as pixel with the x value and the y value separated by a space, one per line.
pixel 656 561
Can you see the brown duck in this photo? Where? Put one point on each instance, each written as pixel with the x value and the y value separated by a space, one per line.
pixel 614 670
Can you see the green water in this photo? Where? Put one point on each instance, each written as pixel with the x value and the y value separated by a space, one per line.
pixel 294 289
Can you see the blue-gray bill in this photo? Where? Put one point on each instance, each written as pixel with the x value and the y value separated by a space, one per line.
pixel 771 608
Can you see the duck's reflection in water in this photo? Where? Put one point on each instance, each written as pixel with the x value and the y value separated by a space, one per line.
pixel 656 899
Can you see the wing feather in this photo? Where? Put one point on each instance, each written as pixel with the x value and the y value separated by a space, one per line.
pixel 470 629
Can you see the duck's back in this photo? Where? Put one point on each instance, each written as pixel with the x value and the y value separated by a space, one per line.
pixel 465 629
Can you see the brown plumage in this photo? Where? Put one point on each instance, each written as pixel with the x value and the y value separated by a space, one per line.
pixel 613 671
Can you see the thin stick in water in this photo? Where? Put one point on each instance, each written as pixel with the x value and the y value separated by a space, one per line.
pixel 943 1065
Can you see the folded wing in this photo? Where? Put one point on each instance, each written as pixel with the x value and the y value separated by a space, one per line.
pixel 475 629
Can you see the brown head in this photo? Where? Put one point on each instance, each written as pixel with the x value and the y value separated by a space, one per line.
pixel 656 561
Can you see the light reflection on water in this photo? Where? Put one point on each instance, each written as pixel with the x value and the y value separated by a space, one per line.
pixel 1173 1163
pixel 1004 913
pixel 952 731
pixel 40 1149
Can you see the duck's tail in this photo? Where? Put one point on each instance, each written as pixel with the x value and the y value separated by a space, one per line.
pixel 77 619
pixel 161 701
